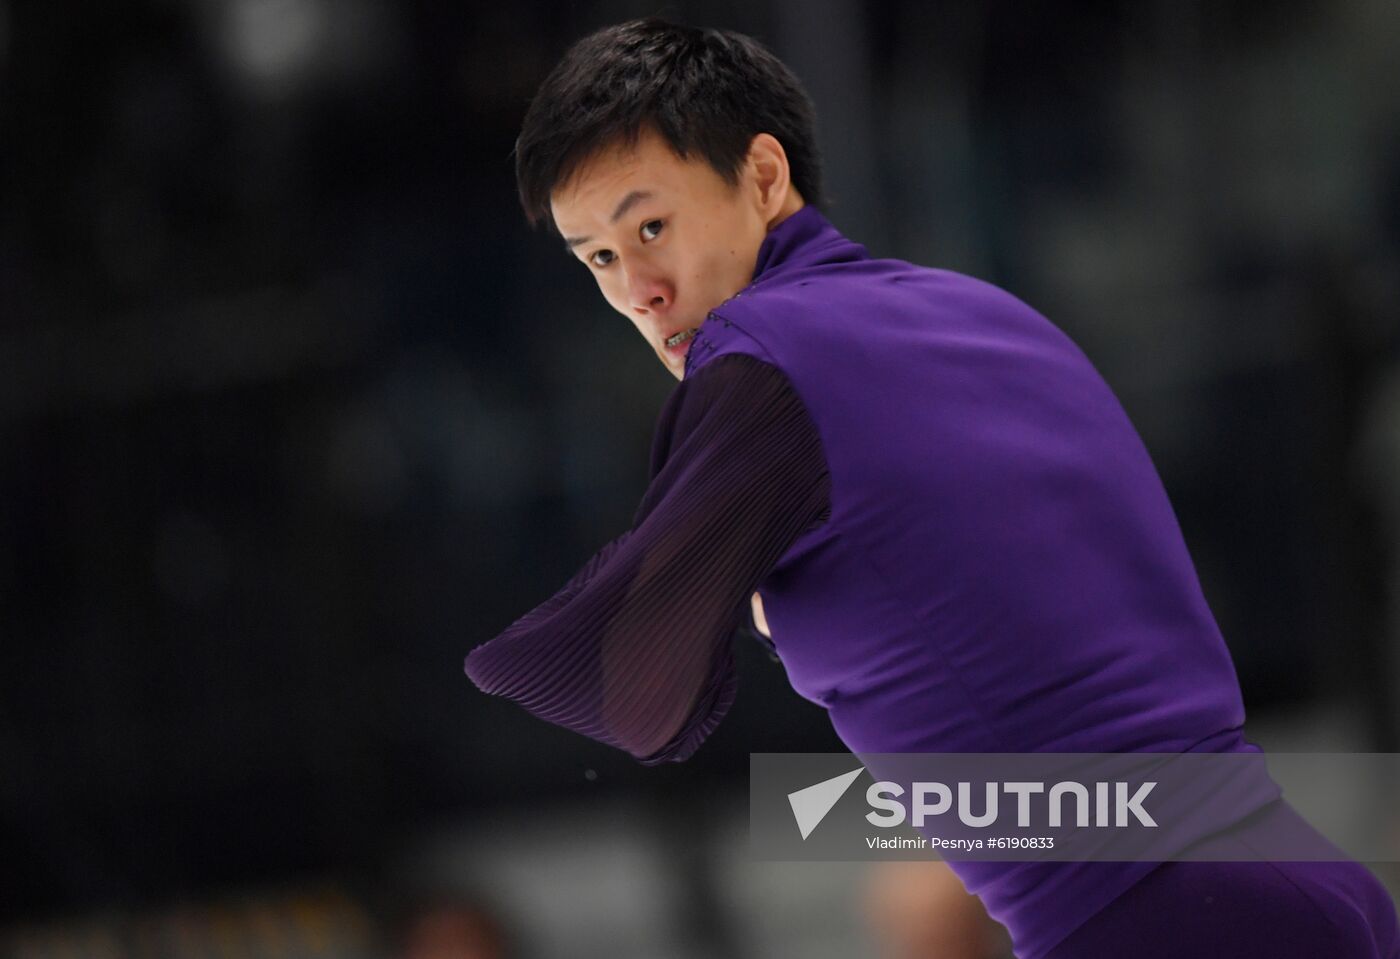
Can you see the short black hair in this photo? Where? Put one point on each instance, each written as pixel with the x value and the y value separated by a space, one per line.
pixel 706 91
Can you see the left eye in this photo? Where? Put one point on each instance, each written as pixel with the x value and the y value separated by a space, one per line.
pixel 650 224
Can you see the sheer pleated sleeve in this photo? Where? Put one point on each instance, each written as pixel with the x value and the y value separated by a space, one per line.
pixel 635 650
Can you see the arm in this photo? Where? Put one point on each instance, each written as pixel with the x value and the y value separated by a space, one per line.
pixel 760 622
pixel 635 649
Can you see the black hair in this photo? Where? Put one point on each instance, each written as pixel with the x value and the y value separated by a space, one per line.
pixel 706 91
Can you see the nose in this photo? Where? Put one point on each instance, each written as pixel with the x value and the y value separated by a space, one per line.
pixel 647 292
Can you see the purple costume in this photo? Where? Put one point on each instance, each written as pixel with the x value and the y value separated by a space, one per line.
pixel 960 541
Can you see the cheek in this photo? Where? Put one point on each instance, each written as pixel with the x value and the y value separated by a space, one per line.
pixel 724 270
pixel 611 293
pixel 617 299
pixel 725 248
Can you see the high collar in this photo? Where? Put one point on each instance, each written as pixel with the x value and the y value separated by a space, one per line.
pixel 805 238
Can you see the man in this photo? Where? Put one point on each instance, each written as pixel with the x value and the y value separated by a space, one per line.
pixel 959 541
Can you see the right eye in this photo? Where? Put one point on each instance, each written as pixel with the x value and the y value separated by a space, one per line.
pixel 592 259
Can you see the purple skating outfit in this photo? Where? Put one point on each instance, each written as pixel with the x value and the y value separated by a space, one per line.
pixel 960 541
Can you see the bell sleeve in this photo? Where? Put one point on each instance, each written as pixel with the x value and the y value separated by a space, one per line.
pixel 635 649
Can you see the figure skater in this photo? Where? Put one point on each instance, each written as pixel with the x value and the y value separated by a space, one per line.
pixel 916 484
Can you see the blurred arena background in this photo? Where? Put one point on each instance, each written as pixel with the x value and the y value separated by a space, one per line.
pixel 295 410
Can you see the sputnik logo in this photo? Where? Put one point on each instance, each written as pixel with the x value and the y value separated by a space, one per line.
pixel 811 804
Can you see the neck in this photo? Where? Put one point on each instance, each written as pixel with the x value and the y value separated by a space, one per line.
pixel 791 204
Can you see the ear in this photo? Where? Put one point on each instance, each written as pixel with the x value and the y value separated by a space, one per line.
pixel 768 165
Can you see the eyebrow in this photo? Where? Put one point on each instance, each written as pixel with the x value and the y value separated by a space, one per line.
pixel 629 201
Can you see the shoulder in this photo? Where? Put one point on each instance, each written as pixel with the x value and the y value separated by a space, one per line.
pixel 733 392
pixel 723 335
pixel 733 385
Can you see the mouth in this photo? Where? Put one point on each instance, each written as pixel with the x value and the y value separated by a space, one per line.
pixel 676 341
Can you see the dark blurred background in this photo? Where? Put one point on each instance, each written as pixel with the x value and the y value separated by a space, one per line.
pixel 295 410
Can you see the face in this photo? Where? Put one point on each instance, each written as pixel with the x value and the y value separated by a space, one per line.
pixel 666 239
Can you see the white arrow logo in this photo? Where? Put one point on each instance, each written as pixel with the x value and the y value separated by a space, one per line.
pixel 810 805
